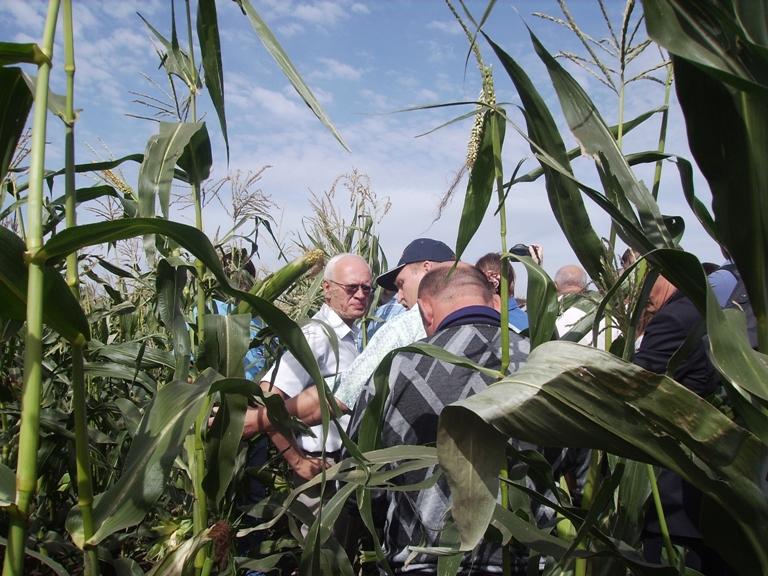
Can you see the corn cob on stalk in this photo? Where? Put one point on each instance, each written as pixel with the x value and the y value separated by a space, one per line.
pixel 278 282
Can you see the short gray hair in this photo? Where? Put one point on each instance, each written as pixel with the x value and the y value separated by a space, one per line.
pixel 330 267
pixel 571 278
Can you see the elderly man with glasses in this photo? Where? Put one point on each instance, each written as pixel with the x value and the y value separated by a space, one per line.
pixel 346 289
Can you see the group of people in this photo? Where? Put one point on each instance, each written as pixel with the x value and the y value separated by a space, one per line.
pixel 455 306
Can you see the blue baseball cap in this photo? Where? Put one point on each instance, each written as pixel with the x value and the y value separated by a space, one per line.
pixel 420 250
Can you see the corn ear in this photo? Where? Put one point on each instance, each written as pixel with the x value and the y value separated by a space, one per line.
pixel 278 282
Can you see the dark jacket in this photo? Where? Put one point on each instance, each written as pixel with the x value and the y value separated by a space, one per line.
pixel 419 388
pixel 665 333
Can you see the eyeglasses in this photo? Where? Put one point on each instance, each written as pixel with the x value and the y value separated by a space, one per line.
pixel 351 289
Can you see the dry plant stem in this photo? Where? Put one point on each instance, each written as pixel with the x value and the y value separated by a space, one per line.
pixel 26 467
pixel 79 403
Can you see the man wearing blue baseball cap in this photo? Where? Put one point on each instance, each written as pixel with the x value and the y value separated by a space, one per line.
pixel 418 258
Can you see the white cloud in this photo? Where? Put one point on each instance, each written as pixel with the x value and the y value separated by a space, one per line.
pixel 276 103
pixel 334 69
pixel 126 9
pixel 359 8
pixel 290 29
pixel 447 26
pixel 321 13
pixel 29 15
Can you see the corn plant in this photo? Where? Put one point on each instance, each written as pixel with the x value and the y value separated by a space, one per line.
pixel 148 375
pixel 574 396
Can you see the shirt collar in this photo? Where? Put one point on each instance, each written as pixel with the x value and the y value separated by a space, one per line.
pixel 471 315
pixel 340 328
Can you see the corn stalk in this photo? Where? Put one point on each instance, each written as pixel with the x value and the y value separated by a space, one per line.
pixel 26 467
pixel 79 399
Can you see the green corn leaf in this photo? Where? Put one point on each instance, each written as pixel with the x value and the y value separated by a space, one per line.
pixel 126 353
pixel 210 47
pixel 86 194
pixel 57 104
pixel 543 308
pixel 746 369
pixel 704 33
pixel 175 60
pixel 564 197
pixel 114 370
pixel 44 559
pixel 685 170
pixel 688 277
pixel 15 53
pixel 481 180
pixel 177 563
pixel 15 104
pixel 724 96
pixel 157 169
pixel 737 176
pixel 573 153
pixel 196 160
pixel 480 458
pixel 222 444
pixel 276 51
pixel 571 395
pixel 61 311
pixel 7 486
pixel 170 282
pixel 596 140
pixel 157 442
pixel 225 345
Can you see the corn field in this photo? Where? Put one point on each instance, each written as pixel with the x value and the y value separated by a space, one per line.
pixel 119 336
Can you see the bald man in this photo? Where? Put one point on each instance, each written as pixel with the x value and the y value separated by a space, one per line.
pixel 456 306
pixel 571 282
pixel 571 279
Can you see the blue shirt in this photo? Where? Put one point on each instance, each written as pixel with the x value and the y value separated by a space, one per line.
pixel 254 361
pixel 384 313
pixel 517 316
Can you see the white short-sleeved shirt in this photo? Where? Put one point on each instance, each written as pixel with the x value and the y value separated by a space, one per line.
pixel 292 379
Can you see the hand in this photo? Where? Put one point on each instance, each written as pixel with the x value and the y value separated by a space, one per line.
pixel 537 253
pixel 307 467
pixel 212 417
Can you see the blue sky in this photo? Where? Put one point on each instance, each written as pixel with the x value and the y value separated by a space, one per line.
pixel 363 59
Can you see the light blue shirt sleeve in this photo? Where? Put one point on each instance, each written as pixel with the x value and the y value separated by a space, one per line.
pixel 722 283
pixel 400 331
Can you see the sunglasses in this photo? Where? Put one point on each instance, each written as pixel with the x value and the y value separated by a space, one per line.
pixel 351 289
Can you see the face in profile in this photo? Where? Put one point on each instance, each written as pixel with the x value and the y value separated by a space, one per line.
pixel 349 289
pixel 407 283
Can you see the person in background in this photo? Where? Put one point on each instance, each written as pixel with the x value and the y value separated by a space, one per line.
pixel 456 306
pixel 490 265
pixel 571 279
pixel 674 318
pixel 571 282
pixel 346 289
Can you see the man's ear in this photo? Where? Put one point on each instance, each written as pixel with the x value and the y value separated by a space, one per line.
pixel 326 287
pixel 427 314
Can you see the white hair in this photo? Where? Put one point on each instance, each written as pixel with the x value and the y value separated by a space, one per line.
pixel 330 267
pixel 571 278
